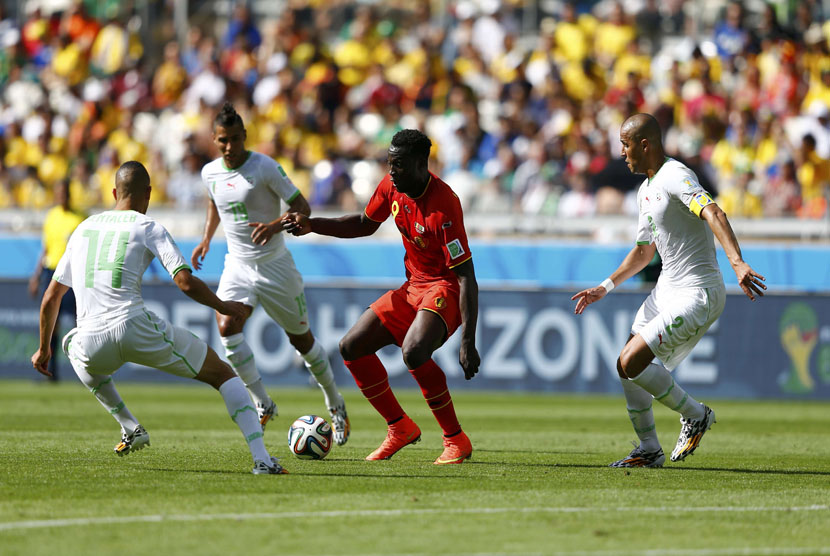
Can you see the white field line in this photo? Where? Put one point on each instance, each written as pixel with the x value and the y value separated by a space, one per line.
pixel 160 518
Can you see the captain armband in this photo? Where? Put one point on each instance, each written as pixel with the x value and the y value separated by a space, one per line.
pixel 699 202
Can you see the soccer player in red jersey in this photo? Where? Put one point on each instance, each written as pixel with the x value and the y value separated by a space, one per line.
pixel 439 295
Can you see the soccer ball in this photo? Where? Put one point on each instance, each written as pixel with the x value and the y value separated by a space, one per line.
pixel 310 437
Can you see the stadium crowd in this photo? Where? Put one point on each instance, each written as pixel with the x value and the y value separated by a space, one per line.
pixel 522 122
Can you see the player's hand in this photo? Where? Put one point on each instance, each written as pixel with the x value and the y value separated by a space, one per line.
pixel 40 360
pixel 469 359
pixel 296 224
pixel 263 232
pixel 198 254
pixel 235 310
pixel 34 285
pixel 586 297
pixel 750 281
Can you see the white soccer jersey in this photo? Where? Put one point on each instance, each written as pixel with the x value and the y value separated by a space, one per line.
pixel 670 205
pixel 105 260
pixel 251 193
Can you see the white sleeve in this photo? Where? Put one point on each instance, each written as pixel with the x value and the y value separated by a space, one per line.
pixel 160 243
pixel 644 236
pixel 207 182
pixel 688 189
pixel 63 272
pixel 278 181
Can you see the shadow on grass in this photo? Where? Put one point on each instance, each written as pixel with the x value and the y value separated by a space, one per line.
pixel 674 467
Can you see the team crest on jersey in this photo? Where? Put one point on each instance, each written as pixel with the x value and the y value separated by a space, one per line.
pixel 440 302
pixel 418 227
pixel 455 249
pixel 688 183
pixel 420 242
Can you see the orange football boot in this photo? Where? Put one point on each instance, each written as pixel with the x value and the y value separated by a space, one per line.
pixel 400 434
pixel 456 449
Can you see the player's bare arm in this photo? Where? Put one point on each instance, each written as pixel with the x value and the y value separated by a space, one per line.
pixel 468 355
pixel 349 226
pixel 263 232
pixel 636 260
pixel 750 281
pixel 211 223
pixel 198 291
pixel 48 317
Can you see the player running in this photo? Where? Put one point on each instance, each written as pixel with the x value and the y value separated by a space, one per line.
pixel 246 190
pixel 689 295
pixel 439 295
pixel 104 262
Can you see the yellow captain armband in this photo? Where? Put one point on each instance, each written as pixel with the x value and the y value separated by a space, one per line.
pixel 699 202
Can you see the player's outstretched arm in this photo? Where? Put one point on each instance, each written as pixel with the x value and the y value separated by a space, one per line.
pixel 198 291
pixel 750 281
pixel 349 226
pixel 634 262
pixel 211 223
pixel 263 231
pixel 49 308
pixel 468 355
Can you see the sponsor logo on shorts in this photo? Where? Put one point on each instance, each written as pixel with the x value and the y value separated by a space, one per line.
pixel 660 336
pixel 455 249
pixel 440 302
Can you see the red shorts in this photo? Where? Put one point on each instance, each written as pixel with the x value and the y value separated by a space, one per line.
pixel 396 309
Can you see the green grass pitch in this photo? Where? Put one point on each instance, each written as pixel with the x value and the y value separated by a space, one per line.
pixel 538 482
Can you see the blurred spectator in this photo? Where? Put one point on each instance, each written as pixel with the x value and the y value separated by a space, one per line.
pixel 242 26
pixel 185 187
pixel 738 201
pixel 781 196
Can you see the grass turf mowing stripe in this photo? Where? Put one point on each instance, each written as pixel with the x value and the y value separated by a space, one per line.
pixel 69 522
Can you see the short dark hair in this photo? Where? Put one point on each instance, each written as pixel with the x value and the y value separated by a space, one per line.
pixel 131 178
pixel 228 117
pixel 412 141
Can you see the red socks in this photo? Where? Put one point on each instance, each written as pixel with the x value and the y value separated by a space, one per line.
pixel 373 381
pixel 433 383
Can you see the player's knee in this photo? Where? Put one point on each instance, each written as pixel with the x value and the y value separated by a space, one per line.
pixel 620 370
pixel 414 355
pixel 347 351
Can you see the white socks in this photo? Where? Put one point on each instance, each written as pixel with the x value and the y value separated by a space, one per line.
pixel 657 381
pixel 317 363
pixel 104 390
pixel 638 402
pixel 245 416
pixel 241 356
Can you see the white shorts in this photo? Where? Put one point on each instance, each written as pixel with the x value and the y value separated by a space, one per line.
pixel 145 339
pixel 275 284
pixel 673 320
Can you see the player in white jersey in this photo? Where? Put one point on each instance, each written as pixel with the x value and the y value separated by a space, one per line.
pixel 677 219
pixel 246 193
pixel 104 262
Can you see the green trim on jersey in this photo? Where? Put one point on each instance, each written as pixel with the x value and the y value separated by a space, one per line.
pixel 665 159
pixel 295 195
pixel 247 156
pixel 643 243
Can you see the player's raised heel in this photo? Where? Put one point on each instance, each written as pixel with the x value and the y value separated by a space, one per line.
pixel 132 442
pixel 401 434
pixel 266 412
pixel 456 449
pixel 340 423
pixel 691 432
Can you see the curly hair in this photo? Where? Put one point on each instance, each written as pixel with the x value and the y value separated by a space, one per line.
pixel 227 117
pixel 411 141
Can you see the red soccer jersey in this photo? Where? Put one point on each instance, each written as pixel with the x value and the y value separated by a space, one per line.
pixel 432 228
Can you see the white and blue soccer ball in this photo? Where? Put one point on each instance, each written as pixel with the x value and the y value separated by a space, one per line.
pixel 310 437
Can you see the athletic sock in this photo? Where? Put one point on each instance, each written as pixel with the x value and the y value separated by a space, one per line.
pixel 638 402
pixel 245 416
pixel 241 357
pixel 104 390
pixel 657 381
pixel 317 363
pixel 373 381
pixel 433 383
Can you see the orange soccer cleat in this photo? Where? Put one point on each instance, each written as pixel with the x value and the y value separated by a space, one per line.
pixel 398 435
pixel 456 449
